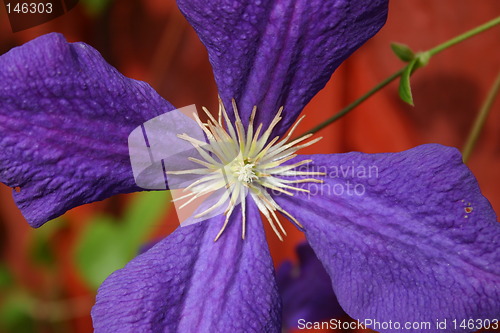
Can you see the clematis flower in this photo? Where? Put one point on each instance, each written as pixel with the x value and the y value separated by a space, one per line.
pixel 306 290
pixel 405 237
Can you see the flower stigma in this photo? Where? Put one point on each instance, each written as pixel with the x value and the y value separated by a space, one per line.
pixel 245 172
pixel 246 163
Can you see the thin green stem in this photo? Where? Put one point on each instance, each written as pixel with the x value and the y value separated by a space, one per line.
pixel 357 102
pixel 486 26
pixel 426 55
pixel 480 120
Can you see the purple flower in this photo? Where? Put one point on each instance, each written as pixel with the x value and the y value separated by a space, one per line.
pixel 306 290
pixel 405 237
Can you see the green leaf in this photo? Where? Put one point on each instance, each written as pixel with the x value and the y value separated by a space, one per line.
pixel 100 250
pixel 107 244
pixel 403 52
pixel 142 216
pixel 404 83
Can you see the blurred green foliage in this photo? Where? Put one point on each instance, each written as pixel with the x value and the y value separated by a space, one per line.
pixel 16 313
pixel 96 7
pixel 17 304
pixel 41 250
pixel 107 243
pixel 6 279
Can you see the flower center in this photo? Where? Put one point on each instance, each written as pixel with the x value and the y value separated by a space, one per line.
pixel 246 163
pixel 244 171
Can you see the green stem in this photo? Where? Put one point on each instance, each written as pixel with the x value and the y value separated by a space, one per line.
pixel 480 120
pixel 357 102
pixel 435 50
pixel 486 26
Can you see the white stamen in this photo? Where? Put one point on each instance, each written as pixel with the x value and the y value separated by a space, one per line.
pixel 246 162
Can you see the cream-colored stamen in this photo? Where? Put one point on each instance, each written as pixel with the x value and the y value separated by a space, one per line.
pixel 246 162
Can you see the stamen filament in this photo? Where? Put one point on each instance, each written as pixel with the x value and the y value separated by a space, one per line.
pixel 249 163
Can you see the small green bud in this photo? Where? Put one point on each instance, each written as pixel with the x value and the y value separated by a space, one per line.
pixel 403 52
pixel 423 59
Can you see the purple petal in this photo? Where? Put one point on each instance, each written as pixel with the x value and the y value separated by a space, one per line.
pixel 65 116
pixel 306 290
pixel 280 53
pixel 411 239
pixel 188 283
